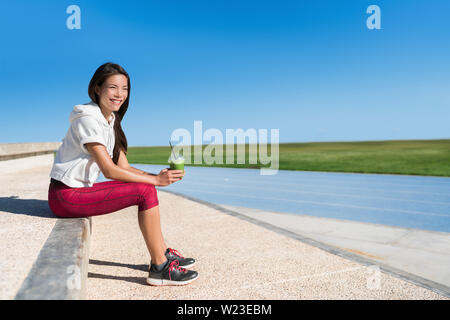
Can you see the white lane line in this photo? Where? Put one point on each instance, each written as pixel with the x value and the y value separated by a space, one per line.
pixel 375 180
pixel 315 185
pixel 325 204
pixel 314 192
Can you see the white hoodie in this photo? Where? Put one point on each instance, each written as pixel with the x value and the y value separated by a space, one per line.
pixel 73 164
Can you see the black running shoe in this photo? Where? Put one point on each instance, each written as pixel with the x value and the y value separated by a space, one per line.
pixel 171 275
pixel 173 254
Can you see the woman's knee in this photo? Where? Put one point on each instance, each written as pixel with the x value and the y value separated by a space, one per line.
pixel 149 197
pixel 149 190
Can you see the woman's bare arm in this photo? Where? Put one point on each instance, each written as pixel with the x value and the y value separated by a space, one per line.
pixel 123 163
pixel 122 172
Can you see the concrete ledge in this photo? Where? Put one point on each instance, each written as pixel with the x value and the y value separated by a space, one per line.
pixel 60 271
pixel 9 151
pixel 14 166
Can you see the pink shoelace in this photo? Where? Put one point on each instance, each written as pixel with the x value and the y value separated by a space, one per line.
pixel 175 252
pixel 174 265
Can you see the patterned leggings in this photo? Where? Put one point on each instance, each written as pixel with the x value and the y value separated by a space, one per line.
pixel 101 198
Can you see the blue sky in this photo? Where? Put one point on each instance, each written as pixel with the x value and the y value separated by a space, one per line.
pixel 311 69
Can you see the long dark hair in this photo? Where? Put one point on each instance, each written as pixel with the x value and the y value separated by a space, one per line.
pixel 101 74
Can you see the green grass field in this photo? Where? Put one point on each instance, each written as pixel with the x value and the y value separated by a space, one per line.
pixel 412 157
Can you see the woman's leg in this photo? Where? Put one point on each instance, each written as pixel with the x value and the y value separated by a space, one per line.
pixel 107 197
pixel 111 196
pixel 150 224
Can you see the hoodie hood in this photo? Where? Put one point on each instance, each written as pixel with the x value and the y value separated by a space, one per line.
pixel 90 109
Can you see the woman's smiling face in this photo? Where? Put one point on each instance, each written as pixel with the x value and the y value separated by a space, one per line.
pixel 112 93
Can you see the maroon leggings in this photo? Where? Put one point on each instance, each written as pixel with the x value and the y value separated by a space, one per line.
pixel 101 198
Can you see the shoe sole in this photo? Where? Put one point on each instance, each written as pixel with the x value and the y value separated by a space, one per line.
pixel 165 282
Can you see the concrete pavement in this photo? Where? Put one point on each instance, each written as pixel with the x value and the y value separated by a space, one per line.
pixel 25 219
pixel 421 253
pixel 236 260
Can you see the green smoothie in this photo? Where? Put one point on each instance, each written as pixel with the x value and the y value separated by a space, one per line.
pixel 177 164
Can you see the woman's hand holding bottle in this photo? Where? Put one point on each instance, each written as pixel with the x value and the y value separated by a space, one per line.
pixel 166 177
